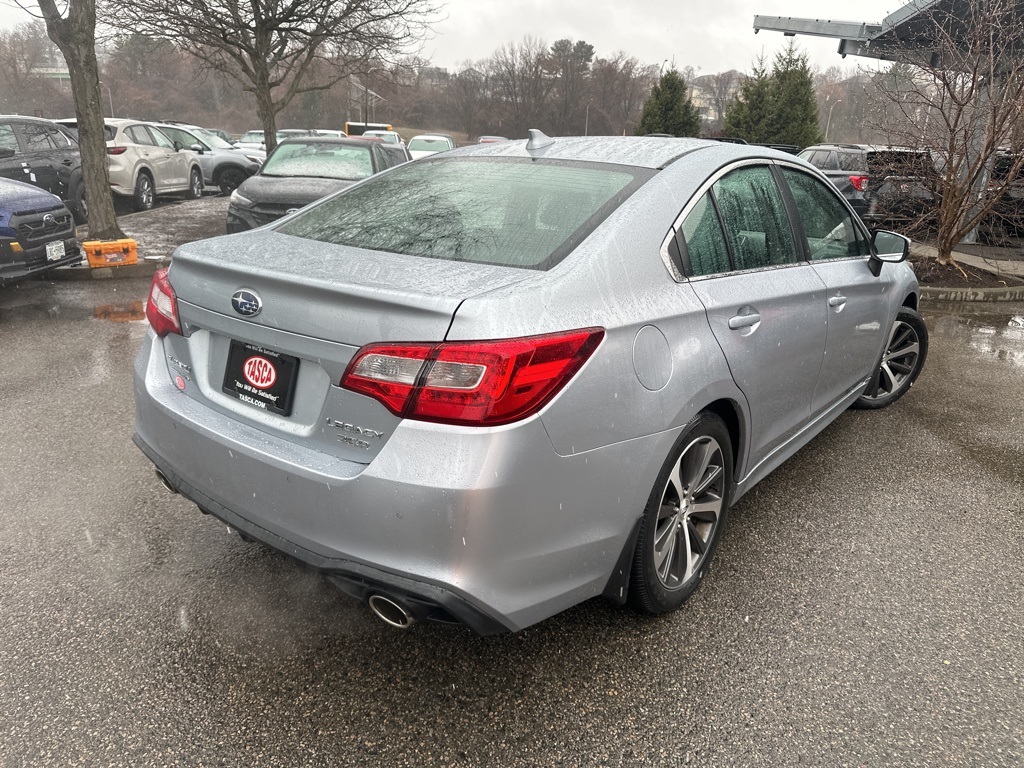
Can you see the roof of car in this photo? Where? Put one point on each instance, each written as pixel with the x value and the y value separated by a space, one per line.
pixel 441 136
pixel 26 117
pixel 641 151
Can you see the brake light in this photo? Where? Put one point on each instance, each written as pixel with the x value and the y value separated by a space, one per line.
pixel 162 305
pixel 474 383
pixel 116 150
pixel 860 183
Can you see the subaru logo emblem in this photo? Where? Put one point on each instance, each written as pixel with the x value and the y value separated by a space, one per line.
pixel 246 303
pixel 49 219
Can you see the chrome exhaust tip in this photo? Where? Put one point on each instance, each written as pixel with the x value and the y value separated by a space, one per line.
pixel 390 611
pixel 165 482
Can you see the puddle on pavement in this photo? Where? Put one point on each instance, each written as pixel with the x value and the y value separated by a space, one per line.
pixel 121 313
pixel 993 335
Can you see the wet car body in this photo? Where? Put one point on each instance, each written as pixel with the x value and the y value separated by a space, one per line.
pixel 500 524
pixel 37 232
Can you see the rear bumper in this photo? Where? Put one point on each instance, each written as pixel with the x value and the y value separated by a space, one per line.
pixel 426 602
pixel 491 526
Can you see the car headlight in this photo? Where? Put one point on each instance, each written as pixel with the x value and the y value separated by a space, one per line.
pixel 255 158
pixel 240 200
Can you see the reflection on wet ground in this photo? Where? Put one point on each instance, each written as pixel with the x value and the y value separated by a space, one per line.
pixel 994 331
pixel 34 301
pixel 121 313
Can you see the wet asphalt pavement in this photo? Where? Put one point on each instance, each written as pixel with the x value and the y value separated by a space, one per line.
pixel 865 607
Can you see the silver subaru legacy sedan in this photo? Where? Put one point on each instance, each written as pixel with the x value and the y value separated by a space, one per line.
pixel 485 386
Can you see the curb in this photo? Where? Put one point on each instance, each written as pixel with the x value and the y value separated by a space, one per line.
pixel 929 293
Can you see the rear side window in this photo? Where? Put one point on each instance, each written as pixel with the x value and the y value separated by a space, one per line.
pixel 503 211
pixel 7 138
pixel 37 138
pixel 705 251
pixel 139 135
pixel 755 220
pixel 853 161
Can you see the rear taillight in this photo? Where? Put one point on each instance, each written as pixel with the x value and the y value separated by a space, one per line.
pixel 116 150
pixel 162 305
pixel 476 383
pixel 860 183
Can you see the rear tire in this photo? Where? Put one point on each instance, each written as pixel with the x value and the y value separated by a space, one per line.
pixel 902 360
pixel 145 193
pixel 684 518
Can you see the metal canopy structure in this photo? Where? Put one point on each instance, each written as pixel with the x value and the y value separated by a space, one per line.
pixel 911 29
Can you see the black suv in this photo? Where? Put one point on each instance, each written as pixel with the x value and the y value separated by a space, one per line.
pixel 40 152
pixel 846 166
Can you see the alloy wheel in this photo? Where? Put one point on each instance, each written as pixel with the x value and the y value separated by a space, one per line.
pixel 690 512
pixel 898 362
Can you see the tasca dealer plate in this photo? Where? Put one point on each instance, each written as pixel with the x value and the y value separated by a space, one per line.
pixel 261 377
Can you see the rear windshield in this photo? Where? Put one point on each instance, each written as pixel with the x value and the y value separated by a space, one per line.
pixel 505 211
pixel 321 160
pixel 853 160
pixel 436 145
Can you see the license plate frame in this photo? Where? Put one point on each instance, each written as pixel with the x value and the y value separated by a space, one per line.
pixel 260 377
pixel 55 250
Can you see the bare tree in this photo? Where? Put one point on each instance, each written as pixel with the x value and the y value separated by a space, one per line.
pixel 270 46
pixel 521 84
pixel 962 101
pixel 722 88
pixel 467 96
pixel 619 87
pixel 72 27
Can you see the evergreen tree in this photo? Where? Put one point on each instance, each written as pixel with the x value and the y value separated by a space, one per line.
pixel 749 115
pixel 777 107
pixel 795 110
pixel 669 109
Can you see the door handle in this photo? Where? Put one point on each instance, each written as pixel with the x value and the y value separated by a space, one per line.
pixel 743 321
pixel 837 301
pixel 66 161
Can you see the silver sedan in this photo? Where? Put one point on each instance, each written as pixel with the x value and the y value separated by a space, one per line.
pixel 485 386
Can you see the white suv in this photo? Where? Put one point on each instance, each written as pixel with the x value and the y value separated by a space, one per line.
pixel 144 163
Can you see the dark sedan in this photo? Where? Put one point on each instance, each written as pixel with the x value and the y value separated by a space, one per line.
pixel 301 171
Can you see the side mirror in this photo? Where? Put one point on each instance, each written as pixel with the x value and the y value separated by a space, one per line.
pixel 6 152
pixel 178 146
pixel 197 148
pixel 887 248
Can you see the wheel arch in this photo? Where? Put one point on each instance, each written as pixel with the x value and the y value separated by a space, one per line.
pixel 222 168
pixel 910 302
pixel 729 411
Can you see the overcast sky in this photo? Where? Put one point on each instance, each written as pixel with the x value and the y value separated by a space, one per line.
pixel 714 35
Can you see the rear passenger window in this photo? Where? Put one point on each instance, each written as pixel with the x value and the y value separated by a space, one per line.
pixel 828 224
pixel 755 221
pixel 827 161
pixel 706 251
pixel 139 135
pixel 37 138
pixel 8 139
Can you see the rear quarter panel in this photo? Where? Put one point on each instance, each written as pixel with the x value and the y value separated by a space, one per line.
pixel 616 279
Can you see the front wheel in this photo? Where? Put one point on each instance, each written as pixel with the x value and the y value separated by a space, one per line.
pixel 684 517
pixel 195 184
pixel 230 179
pixel 79 207
pixel 902 360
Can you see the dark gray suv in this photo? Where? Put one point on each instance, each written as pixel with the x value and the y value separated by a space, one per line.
pixel 846 166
